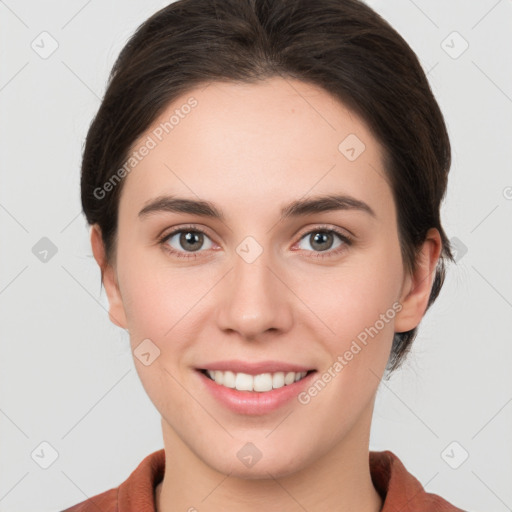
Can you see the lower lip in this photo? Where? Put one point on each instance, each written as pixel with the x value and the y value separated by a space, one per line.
pixel 254 402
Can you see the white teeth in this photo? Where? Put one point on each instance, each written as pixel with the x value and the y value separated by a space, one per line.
pixel 243 382
pixel 263 382
pixel 229 379
pixel 260 383
pixel 289 378
pixel 278 380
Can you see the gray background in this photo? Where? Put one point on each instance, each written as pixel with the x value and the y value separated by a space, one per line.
pixel 66 373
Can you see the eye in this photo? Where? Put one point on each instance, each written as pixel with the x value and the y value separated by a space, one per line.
pixel 324 239
pixel 186 240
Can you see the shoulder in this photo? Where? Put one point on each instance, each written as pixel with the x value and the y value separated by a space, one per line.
pixel 106 501
pixel 400 490
pixel 135 494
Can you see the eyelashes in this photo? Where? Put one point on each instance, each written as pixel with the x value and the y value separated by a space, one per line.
pixel 346 240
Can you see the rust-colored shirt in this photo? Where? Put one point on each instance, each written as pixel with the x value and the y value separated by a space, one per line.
pixel 400 491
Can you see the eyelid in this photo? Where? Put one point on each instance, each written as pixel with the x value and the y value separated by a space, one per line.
pixel 326 227
pixel 184 227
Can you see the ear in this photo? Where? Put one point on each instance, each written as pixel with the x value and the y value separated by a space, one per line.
pixel 417 286
pixel 108 278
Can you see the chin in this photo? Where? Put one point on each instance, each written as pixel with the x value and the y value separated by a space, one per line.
pixel 250 463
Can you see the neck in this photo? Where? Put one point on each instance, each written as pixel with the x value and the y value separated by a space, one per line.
pixel 339 480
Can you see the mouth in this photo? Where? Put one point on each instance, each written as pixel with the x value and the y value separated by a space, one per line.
pixel 258 383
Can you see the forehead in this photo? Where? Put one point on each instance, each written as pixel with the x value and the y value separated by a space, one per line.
pixel 239 144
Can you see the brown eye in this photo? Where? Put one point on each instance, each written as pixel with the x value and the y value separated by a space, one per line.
pixel 324 240
pixel 191 240
pixel 187 240
pixel 321 240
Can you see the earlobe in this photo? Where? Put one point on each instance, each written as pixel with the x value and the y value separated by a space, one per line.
pixel 116 311
pixel 418 285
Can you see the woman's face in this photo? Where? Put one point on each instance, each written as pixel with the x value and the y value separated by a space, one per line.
pixel 256 285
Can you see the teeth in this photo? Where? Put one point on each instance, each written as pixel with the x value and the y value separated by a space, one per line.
pixel 289 378
pixel 262 382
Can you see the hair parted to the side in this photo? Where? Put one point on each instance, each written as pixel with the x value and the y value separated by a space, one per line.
pixel 342 46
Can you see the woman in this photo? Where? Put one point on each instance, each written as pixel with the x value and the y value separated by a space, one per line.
pixel 263 180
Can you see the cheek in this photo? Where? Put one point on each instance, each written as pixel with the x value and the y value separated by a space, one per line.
pixel 160 300
pixel 359 310
pixel 355 295
pixel 147 298
pixel 358 303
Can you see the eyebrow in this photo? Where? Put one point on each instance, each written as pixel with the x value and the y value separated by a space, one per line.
pixel 297 208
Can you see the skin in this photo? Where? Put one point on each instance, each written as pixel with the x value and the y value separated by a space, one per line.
pixel 251 149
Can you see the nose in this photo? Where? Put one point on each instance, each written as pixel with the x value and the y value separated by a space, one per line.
pixel 255 298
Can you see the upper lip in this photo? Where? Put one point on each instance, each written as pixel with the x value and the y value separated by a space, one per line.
pixel 252 368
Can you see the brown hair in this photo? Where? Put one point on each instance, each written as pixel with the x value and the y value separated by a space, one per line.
pixel 342 46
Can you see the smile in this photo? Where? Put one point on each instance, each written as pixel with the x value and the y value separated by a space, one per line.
pixel 260 383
